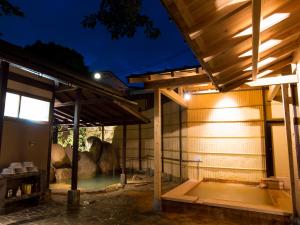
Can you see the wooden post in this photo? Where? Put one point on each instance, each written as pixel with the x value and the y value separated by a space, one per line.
pixel 296 131
pixel 287 123
pixel 102 135
pixel 268 137
pixel 162 139
pixel 256 20
pixel 157 150
pixel 102 140
pixel 140 146
pixel 74 194
pixel 3 88
pixel 55 134
pixel 51 135
pixel 123 175
pixel 180 142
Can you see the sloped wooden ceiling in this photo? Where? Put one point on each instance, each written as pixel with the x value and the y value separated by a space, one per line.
pixel 220 34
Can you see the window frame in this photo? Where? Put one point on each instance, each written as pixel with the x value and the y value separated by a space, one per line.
pixel 20 93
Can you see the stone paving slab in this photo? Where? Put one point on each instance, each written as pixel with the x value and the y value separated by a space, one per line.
pixel 132 205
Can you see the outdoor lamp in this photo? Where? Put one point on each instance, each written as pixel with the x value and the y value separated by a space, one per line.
pixel 97 76
pixel 187 96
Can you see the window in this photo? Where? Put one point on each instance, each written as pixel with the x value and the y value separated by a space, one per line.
pixel 12 102
pixel 34 109
pixel 26 108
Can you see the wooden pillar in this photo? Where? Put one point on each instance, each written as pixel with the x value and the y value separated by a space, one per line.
pixel 123 175
pixel 287 123
pixel 102 140
pixel 51 136
pixel 3 88
pixel 55 134
pixel 140 146
pixel 162 139
pixel 157 150
pixel 296 133
pixel 268 138
pixel 180 142
pixel 74 194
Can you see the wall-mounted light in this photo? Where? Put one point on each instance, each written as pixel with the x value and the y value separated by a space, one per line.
pixel 97 76
pixel 187 96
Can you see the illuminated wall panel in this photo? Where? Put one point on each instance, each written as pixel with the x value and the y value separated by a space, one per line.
pixel 225 131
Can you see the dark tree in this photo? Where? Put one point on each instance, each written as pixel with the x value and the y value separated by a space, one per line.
pixel 122 18
pixel 60 55
pixel 6 9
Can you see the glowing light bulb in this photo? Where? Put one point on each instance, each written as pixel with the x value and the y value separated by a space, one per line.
pixel 187 96
pixel 97 76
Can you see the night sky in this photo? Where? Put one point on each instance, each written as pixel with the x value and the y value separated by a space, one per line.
pixel 59 21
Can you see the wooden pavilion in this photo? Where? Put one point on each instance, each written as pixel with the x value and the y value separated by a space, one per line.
pixel 241 45
pixel 73 100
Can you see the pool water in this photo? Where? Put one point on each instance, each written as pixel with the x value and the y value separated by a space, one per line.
pixel 97 183
pixel 231 192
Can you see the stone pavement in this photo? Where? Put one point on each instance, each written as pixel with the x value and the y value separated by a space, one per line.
pixel 132 205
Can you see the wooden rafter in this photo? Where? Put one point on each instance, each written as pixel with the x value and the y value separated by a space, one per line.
pixel 214 32
pixel 181 8
pixel 228 10
pixel 64 89
pixel 165 75
pixel 131 111
pixel 174 97
pixel 176 82
pixel 83 102
pixel 273 91
pixel 282 31
pixel 276 53
pixel 256 19
pixel 288 79
pixel 277 65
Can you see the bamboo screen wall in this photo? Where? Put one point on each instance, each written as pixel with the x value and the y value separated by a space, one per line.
pixel 225 131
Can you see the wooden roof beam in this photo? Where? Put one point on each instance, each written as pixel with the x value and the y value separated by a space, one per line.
pixel 65 89
pixel 182 13
pixel 235 45
pixel 229 9
pixel 237 81
pixel 256 19
pixel 273 91
pixel 176 82
pixel 274 54
pixel 131 111
pixel 164 76
pixel 281 31
pixel 288 79
pixel 90 101
pixel 174 97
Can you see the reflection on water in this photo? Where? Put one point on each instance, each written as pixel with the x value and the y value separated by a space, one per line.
pixel 98 182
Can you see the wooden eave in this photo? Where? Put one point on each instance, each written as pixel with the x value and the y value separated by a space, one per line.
pixel 212 29
pixel 100 105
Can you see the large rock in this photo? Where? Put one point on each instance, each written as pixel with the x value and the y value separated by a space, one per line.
pixel 63 174
pixel 59 157
pixel 109 159
pixel 87 168
pixel 94 146
pixel 69 153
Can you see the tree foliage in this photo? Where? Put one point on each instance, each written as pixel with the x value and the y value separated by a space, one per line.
pixel 7 9
pixel 65 138
pixel 59 55
pixel 122 18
